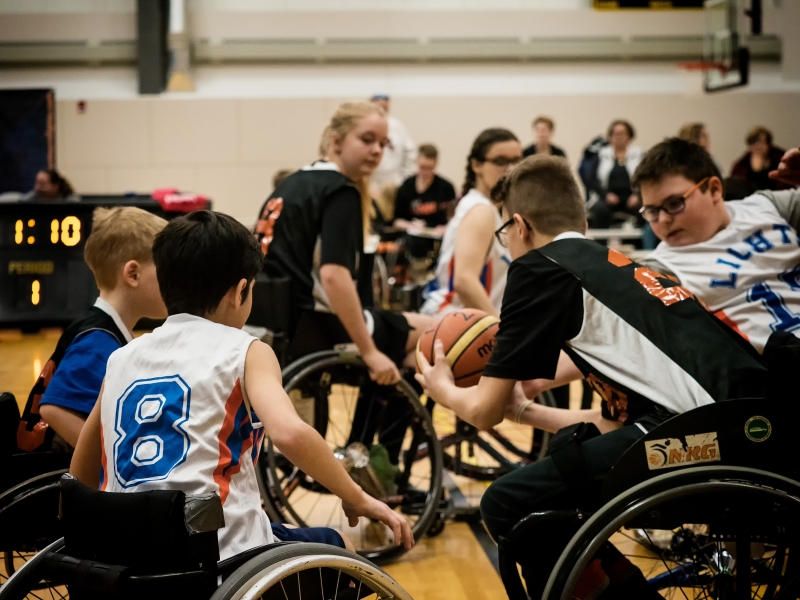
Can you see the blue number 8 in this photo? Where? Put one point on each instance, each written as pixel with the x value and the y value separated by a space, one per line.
pixel 149 419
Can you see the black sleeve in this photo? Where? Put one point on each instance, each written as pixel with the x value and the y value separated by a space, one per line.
pixel 542 309
pixel 402 203
pixel 342 230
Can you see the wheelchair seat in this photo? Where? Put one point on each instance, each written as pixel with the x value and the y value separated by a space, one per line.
pixel 163 544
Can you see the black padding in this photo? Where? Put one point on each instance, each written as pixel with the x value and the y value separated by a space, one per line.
pixel 564 450
pixel 9 422
pixel 144 530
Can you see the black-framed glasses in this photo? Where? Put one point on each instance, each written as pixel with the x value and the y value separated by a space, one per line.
pixel 504 161
pixel 672 205
pixel 502 233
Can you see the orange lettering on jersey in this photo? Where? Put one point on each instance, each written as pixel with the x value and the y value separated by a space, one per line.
pixel 618 259
pixel 265 227
pixel 616 400
pixel 668 295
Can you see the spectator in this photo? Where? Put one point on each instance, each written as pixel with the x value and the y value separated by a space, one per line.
pixel 50 186
pixel 423 199
pixel 761 158
pixel 398 155
pixel 472 267
pixel 697 134
pixel 280 176
pixel 616 165
pixel 543 128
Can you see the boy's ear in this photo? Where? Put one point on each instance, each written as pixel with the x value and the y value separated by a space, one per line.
pixel 131 273
pixel 240 296
pixel 715 188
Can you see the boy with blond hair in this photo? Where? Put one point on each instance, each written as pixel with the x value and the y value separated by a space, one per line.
pixel 119 252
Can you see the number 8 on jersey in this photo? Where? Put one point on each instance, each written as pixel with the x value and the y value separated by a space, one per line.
pixel 149 419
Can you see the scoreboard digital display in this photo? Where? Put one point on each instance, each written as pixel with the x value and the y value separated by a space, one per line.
pixel 43 277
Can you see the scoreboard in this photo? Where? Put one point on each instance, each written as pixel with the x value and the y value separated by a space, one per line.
pixel 44 280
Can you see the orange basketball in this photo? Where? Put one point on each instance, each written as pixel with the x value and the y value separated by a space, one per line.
pixel 468 339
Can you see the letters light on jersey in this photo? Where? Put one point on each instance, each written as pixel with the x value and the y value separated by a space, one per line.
pixel 672 452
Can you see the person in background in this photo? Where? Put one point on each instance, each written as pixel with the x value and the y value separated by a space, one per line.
pixel 423 199
pixel 697 134
pixel 543 128
pixel 616 165
pixel 472 267
pixel 280 176
pixel 50 185
pixel 398 156
pixel 761 158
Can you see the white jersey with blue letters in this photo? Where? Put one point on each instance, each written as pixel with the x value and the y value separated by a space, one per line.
pixel 748 274
pixel 175 416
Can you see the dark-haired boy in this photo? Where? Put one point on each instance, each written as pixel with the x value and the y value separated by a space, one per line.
pixel 742 258
pixel 180 407
pixel 643 342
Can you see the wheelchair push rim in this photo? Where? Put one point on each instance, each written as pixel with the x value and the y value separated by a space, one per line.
pixel 338 378
pixel 309 571
pixel 689 577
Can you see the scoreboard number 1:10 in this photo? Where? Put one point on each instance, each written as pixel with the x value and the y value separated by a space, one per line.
pixel 68 230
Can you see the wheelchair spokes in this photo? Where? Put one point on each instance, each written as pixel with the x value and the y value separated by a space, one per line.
pixel 380 434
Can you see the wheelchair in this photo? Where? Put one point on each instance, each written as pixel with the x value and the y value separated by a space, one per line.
pixel 706 505
pixel 163 544
pixel 383 436
pixel 28 495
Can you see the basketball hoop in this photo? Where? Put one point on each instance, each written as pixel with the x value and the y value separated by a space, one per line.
pixel 704 65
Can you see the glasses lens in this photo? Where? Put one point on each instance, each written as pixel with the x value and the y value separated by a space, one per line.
pixel 674 205
pixel 650 213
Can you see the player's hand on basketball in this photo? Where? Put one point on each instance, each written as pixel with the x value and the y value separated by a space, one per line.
pixel 788 170
pixel 375 509
pixel 382 369
pixel 612 199
pixel 436 378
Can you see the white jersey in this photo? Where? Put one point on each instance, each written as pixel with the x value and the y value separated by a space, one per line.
pixel 441 295
pixel 748 274
pixel 175 416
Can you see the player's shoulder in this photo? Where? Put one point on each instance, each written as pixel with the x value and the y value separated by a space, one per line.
pixel 761 202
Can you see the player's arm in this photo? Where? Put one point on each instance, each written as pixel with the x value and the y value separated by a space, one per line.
pixel 473 241
pixel 787 203
pixel 566 371
pixel 548 418
pixel 85 464
pixel 303 445
pixel 65 422
pixel 481 405
pixel 341 243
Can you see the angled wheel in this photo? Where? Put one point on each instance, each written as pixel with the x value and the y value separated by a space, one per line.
pixel 27 582
pixel 382 435
pixel 311 571
pixel 707 532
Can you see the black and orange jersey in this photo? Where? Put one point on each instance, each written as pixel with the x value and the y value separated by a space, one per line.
pixel 646 344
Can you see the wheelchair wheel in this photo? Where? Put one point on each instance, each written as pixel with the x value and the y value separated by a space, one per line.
pixel 27 584
pixel 28 520
pixel 382 435
pixel 711 532
pixel 312 571
pixel 476 458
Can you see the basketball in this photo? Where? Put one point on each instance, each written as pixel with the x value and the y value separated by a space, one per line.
pixel 468 339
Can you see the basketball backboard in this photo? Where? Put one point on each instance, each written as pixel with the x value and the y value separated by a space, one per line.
pixel 727 62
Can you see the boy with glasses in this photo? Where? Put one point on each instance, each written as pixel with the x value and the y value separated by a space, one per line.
pixel 741 258
pixel 573 308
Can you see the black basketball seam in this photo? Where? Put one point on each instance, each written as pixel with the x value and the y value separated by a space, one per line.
pixel 468 375
pixel 455 362
pixel 433 339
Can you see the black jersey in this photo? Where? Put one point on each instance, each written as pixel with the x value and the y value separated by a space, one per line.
pixel 643 342
pixel 313 218
pixel 430 206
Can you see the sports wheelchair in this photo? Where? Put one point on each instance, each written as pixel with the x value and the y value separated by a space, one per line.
pixel 389 444
pixel 706 505
pixel 28 494
pixel 163 544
